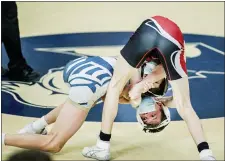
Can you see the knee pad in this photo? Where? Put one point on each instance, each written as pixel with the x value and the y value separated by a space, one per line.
pixel 86 95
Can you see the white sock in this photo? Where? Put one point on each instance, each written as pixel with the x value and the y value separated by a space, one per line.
pixel 103 144
pixel 39 124
pixel 3 138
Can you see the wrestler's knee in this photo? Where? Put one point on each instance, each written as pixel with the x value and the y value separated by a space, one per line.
pixel 52 144
pixel 54 147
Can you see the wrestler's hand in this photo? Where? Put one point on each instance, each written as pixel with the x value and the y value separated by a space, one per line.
pixel 138 89
pixel 135 102
pixel 125 92
pixel 135 91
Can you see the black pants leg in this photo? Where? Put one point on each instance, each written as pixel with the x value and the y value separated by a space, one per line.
pixel 19 70
pixel 11 34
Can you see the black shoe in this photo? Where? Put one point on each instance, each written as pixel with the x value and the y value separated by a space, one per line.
pixel 23 73
pixel 4 72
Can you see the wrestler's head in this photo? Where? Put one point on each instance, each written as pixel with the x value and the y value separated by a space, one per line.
pixel 152 115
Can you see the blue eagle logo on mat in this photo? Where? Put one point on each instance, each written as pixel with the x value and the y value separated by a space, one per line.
pixel 205 63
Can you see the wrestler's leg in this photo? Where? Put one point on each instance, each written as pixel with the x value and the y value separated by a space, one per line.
pixel 67 124
pixel 39 125
pixel 53 114
pixel 181 96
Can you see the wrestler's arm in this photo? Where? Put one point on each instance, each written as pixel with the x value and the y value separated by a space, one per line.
pixel 144 85
pixel 124 96
pixel 136 78
pixel 169 103
pixel 157 74
pixel 123 99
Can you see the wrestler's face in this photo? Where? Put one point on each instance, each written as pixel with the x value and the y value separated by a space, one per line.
pixel 154 117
